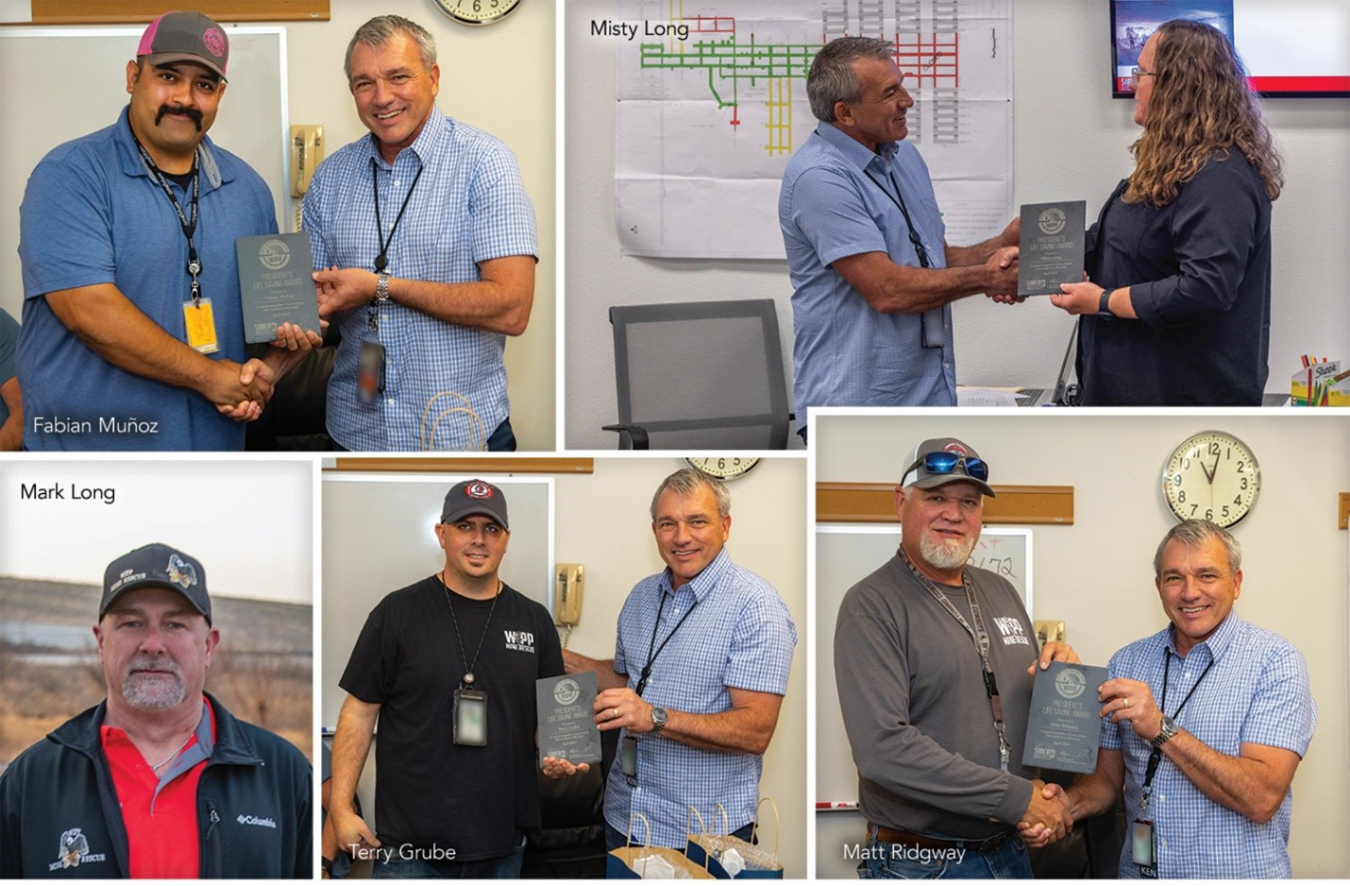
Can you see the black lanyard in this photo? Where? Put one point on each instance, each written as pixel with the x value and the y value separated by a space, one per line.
pixel 651 656
pixel 382 259
pixel 1156 757
pixel 898 198
pixel 194 265
pixel 982 644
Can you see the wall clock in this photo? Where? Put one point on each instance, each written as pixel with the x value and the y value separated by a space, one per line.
pixel 723 467
pixel 1212 476
pixel 477 12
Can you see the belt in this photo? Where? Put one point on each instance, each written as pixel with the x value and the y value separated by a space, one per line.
pixel 983 847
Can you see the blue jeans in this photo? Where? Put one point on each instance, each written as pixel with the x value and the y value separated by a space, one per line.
pixel 507 867
pixel 898 861
pixel 614 839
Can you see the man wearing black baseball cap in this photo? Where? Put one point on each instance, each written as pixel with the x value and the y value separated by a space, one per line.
pixel 447 667
pixel 133 331
pixel 159 780
pixel 933 662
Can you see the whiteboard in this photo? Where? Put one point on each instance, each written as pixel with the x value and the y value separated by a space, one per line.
pixel 252 121
pixel 846 553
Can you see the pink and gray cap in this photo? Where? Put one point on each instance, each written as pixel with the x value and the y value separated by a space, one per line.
pixel 186 37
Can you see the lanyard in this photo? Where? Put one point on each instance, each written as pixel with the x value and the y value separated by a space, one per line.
pixel 982 644
pixel 194 265
pixel 382 260
pixel 898 198
pixel 651 656
pixel 1156 756
pixel 468 679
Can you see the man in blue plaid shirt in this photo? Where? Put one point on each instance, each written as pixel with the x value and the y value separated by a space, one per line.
pixel 1207 722
pixel 699 673
pixel 424 243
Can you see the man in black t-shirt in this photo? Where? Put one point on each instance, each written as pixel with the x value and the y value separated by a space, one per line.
pixel 448 668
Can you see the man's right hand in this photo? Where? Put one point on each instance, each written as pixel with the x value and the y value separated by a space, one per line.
pixel 1047 817
pixel 1002 268
pixel 353 835
pixel 238 390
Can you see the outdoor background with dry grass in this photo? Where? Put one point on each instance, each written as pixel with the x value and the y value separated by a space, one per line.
pixel 49 668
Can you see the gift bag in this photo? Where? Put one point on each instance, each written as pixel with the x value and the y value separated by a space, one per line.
pixel 631 862
pixel 718 850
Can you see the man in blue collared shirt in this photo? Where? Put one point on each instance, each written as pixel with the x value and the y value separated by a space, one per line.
pixel 425 245
pixel 1220 711
pixel 872 274
pixel 699 672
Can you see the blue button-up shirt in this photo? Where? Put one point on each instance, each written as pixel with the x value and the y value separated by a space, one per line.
pixel 832 205
pixel 444 384
pixel 739 635
pixel 1257 693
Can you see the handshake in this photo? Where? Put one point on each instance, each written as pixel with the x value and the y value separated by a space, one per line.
pixel 1047 818
pixel 241 390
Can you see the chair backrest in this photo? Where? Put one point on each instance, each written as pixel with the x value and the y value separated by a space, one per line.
pixel 702 375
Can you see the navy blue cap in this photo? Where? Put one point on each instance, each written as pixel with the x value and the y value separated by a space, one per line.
pixel 156 566
pixel 474 497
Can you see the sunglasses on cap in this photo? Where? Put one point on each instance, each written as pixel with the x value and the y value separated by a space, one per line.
pixel 948 462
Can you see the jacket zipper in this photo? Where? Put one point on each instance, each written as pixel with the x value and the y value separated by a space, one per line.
pixel 212 863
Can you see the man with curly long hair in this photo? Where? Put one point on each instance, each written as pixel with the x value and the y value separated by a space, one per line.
pixel 1176 304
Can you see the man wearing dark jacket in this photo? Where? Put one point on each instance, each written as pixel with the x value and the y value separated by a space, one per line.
pixel 159 780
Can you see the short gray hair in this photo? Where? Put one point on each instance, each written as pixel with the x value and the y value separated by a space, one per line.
pixel 1193 534
pixel 688 481
pixel 832 79
pixel 377 32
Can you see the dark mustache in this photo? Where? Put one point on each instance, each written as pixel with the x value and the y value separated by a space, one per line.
pixel 195 114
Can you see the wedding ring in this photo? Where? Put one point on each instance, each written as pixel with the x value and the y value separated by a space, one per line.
pixel 1127 701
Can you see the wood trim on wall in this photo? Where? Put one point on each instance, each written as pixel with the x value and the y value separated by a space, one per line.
pixel 1344 511
pixel 875 503
pixel 107 12
pixel 468 465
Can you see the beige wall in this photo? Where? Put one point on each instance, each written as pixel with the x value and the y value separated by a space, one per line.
pixel 1096 575
pixel 499 79
pixel 603 522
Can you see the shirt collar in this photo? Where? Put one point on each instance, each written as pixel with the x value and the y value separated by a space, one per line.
pixel 1216 644
pixel 705 580
pixel 425 143
pixel 855 151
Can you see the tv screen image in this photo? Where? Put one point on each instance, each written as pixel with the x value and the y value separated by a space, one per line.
pixel 1297 48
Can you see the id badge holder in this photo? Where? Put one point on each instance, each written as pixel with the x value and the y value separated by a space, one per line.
pixel 471 718
pixel 1141 848
pixel 370 372
pixel 199 321
pixel 629 756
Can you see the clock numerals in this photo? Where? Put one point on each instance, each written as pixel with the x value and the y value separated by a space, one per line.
pixel 1211 476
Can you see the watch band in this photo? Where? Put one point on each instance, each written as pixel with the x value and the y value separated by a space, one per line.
pixel 1104 306
pixel 659 718
pixel 1165 733
pixel 381 287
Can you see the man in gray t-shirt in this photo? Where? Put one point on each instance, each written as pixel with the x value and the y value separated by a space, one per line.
pixel 935 724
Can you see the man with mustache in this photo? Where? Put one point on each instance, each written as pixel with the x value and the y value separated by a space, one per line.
pixel 132 332
pixel 424 240
pixel 934 661
pixel 159 780
pixel 872 273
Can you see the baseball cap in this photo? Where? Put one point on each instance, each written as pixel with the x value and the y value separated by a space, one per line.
pixel 186 37
pixel 474 497
pixel 929 473
pixel 156 566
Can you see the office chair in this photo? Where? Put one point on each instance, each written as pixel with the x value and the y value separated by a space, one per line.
pixel 700 375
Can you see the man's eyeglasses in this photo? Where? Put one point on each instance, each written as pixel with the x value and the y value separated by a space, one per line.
pixel 1136 73
pixel 947 462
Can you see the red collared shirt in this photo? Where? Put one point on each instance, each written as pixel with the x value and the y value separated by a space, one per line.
pixel 162 833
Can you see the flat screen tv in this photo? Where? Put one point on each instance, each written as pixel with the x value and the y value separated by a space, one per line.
pixel 1297 48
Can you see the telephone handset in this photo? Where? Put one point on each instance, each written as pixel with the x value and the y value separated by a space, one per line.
pixel 306 155
pixel 569 583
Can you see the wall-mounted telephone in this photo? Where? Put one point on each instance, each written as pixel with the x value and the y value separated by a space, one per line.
pixel 569 583
pixel 306 154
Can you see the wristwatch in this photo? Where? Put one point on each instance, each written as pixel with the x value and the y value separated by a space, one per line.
pixel 1104 306
pixel 381 287
pixel 659 718
pixel 1165 733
